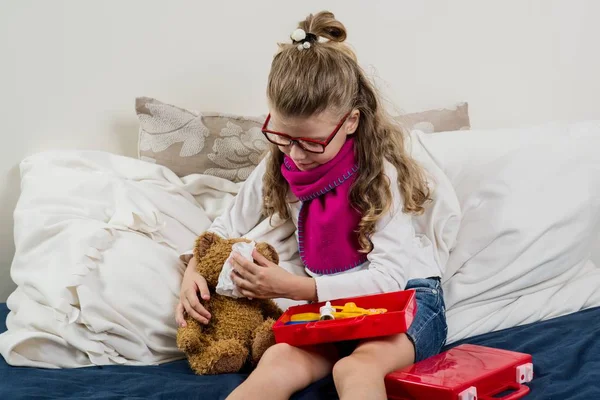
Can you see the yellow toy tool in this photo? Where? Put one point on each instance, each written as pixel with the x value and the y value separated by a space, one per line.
pixel 327 312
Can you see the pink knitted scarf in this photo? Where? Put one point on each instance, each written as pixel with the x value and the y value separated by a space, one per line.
pixel 327 224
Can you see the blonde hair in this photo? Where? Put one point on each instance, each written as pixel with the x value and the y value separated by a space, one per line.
pixel 327 76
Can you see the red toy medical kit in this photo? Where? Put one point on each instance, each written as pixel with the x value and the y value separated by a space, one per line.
pixel 347 319
pixel 465 372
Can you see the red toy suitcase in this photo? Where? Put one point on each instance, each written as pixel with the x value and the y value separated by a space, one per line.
pixel 466 372
pixel 401 309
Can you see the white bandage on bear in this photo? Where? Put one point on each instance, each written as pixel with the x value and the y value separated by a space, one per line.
pixel 225 285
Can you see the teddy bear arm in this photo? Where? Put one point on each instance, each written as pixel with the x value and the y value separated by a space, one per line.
pixel 262 339
pixel 191 338
pixel 270 310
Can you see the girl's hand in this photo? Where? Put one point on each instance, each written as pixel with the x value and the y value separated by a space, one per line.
pixel 268 280
pixel 192 284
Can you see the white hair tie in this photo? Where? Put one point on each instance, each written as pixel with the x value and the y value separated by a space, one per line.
pixel 303 39
pixel 298 35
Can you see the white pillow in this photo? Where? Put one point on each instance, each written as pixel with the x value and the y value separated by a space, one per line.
pixel 530 199
pixel 596 250
pixel 98 238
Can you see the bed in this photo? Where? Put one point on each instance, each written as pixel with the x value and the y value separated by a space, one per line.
pixel 98 239
pixel 565 350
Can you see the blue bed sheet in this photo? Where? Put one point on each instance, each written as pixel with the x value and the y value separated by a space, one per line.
pixel 566 355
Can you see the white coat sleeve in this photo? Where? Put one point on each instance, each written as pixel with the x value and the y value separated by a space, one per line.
pixel 394 247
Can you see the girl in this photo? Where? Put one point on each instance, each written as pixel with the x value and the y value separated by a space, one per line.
pixel 339 169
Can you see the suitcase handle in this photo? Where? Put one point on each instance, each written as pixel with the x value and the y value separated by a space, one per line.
pixel 520 391
pixel 340 322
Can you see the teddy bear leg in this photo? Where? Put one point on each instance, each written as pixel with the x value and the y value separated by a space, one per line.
pixel 262 339
pixel 189 337
pixel 219 357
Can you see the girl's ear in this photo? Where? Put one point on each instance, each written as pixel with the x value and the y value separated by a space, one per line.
pixel 352 122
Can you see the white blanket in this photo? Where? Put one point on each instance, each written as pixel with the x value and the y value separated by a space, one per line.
pixel 96 264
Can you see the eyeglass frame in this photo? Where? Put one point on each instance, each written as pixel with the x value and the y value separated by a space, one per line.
pixel 298 141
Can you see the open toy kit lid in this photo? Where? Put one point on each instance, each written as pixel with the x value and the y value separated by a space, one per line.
pixel 347 319
pixel 466 372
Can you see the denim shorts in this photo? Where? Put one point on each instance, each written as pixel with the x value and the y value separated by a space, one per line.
pixel 428 330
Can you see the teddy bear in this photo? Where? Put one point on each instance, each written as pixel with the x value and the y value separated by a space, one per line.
pixel 240 330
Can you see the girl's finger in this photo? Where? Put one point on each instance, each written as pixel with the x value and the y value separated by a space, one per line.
pixel 179 318
pixel 247 293
pixel 241 272
pixel 241 263
pixel 194 303
pixel 241 283
pixel 190 310
pixel 202 288
pixel 236 269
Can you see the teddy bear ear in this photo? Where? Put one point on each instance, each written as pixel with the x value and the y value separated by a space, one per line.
pixel 204 242
pixel 268 251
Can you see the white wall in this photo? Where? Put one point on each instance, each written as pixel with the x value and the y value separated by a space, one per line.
pixel 70 70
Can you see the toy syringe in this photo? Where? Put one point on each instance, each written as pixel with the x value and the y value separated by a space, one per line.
pixel 329 312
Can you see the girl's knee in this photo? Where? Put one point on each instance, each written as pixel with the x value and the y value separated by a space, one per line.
pixel 299 366
pixel 279 353
pixel 284 354
pixel 351 366
pixel 376 358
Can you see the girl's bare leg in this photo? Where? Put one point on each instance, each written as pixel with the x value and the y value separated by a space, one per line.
pixel 284 370
pixel 361 375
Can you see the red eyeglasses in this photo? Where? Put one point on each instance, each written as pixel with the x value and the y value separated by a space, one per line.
pixel 310 145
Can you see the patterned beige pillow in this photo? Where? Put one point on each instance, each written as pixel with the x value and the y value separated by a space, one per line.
pixel 231 146
pixel 453 118
pixel 187 142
